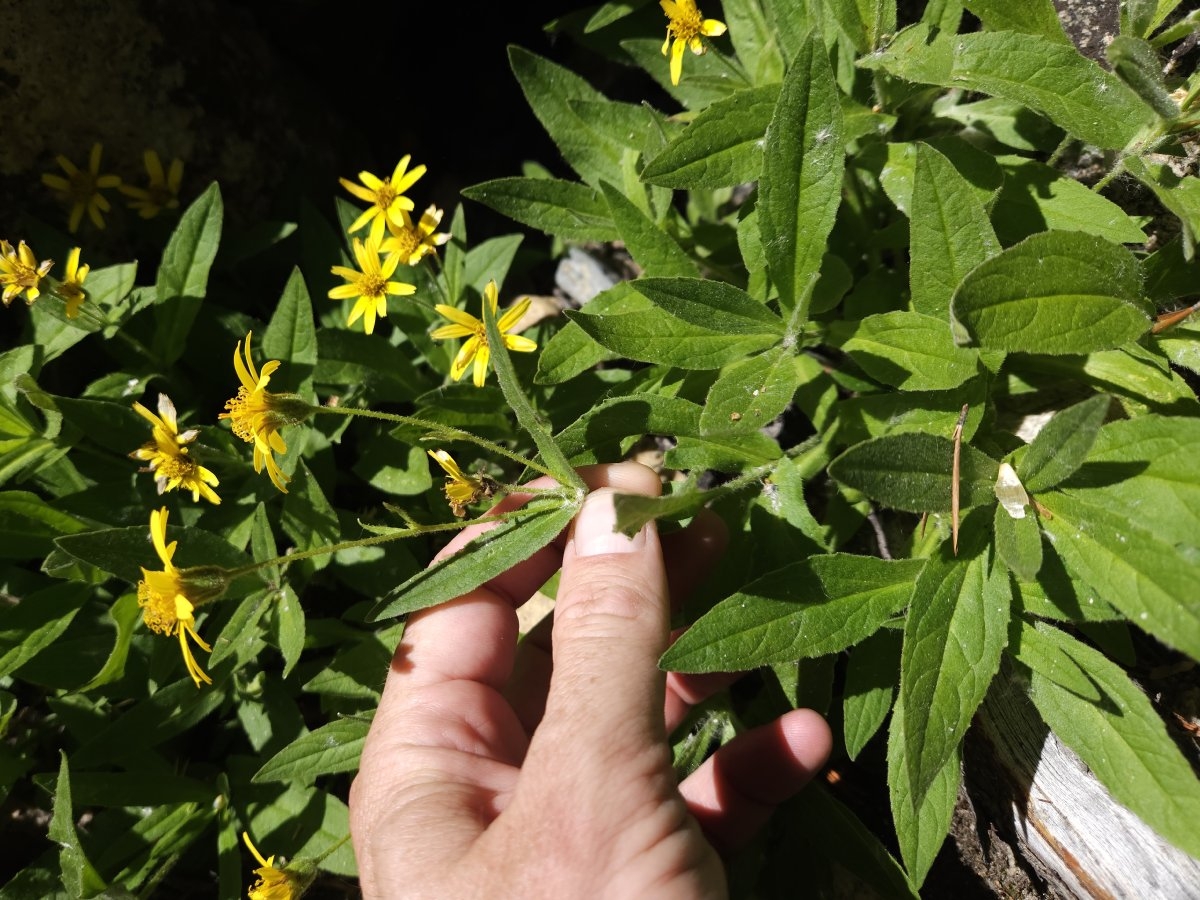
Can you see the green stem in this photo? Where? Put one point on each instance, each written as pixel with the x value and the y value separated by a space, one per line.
pixel 447 432
pixel 374 540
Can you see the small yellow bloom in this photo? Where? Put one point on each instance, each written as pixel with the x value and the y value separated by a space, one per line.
pixel 476 346
pixel 20 271
pixel 686 25
pixel 370 285
pixel 71 288
pixel 81 189
pixel 162 190
pixel 163 597
pixel 461 489
pixel 257 414
pixel 168 455
pixel 412 242
pixel 386 197
pixel 273 883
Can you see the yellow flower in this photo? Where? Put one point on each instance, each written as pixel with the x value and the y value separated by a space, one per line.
pixel 20 271
pixel 81 188
pixel 476 346
pixel 163 597
pixel 273 883
pixel 386 197
pixel 257 414
pixel 168 455
pixel 71 288
pixel 686 25
pixel 162 191
pixel 412 242
pixel 370 285
pixel 461 489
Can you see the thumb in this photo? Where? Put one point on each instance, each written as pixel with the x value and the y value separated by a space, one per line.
pixel 611 624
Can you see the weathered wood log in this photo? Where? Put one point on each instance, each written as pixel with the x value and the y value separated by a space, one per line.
pixel 1060 817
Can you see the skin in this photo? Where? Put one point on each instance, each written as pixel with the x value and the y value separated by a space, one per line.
pixel 543 769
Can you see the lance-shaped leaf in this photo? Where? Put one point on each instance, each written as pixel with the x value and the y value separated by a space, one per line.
pixel 710 304
pixel 1063 443
pixel 32 625
pixel 1147 471
pixel 292 335
pixel 334 747
pixel 495 551
pixel 921 826
pixel 957 627
pixel 1118 734
pixel 1048 76
pixel 565 209
pixel 872 674
pixel 911 351
pixel 651 247
pixel 807 609
pixel 722 147
pixel 79 877
pixel 949 232
pixel 636 510
pixel 913 472
pixel 1018 543
pixel 1151 580
pixel 549 88
pixel 801 185
pixel 183 273
pixel 1056 292
pixel 123 551
pixel 654 336
pixel 1023 16
pixel 748 395
pixel 609 421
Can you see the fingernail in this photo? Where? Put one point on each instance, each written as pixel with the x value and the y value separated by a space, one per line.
pixel 594 534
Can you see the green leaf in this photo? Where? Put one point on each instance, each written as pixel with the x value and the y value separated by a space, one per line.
pixel 291 627
pixel 950 233
pixel 36 621
pixel 1048 76
pixel 78 876
pixel 1037 197
pixel 754 40
pixel 1146 471
pixel 721 147
pixel 723 452
pixel 801 185
pixel 1062 445
pixel 1022 16
pixel 957 627
pixel 291 334
pixel 819 605
pixel 564 209
pixel 1018 543
pixel 584 440
pixel 28 525
pixel 183 273
pixel 1119 735
pixel 651 247
pixel 864 22
pixel 634 511
pixel 1057 293
pixel 912 471
pixel 571 351
pixel 333 748
pixel 125 614
pixel 485 557
pixel 1150 580
pixel 655 336
pixel 490 260
pixel 872 673
pixel 1179 195
pixel 911 351
pixel 307 516
pixel 124 551
pixel 714 305
pixel 750 394
pixel 921 826
pixel 549 89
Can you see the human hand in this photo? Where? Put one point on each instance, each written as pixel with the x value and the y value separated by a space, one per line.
pixel 543 769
